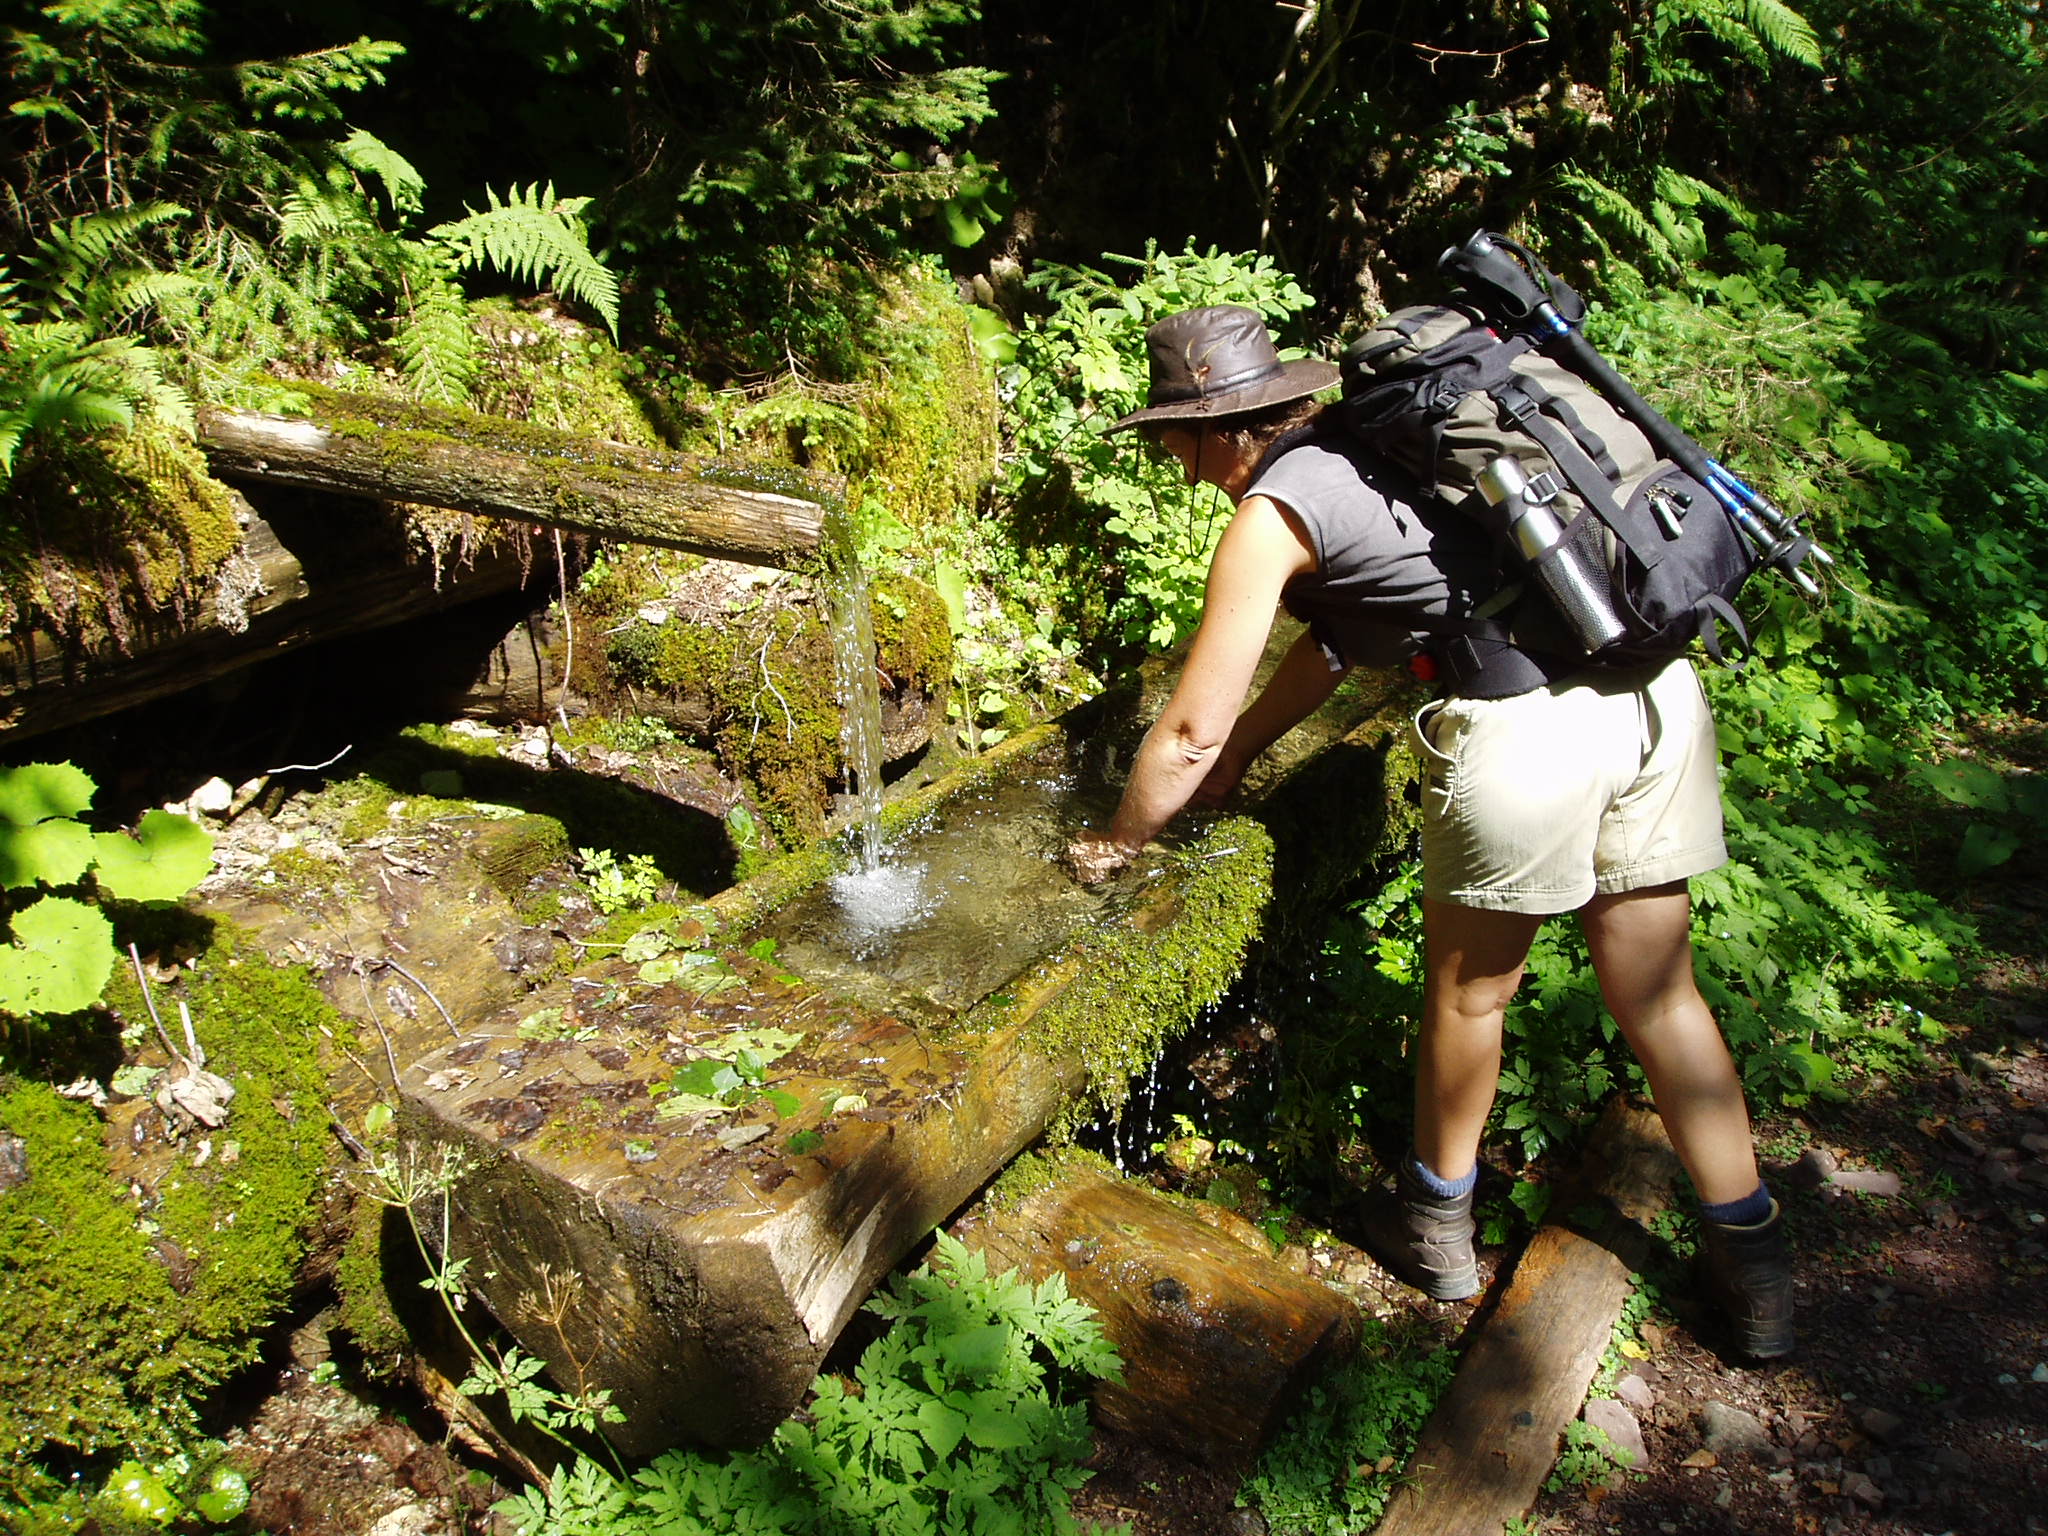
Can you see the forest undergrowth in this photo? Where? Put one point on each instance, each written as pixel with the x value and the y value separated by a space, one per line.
pixel 1813 235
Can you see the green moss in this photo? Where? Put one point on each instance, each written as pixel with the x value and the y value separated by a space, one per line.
pixel 120 1314
pixel 113 532
pixel 311 880
pixel 913 638
pixel 931 407
pixel 511 853
pixel 1040 1170
pixel 546 369
pixel 1136 991
pixel 366 1313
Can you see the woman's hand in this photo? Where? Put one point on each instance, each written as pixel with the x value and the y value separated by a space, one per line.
pixel 1092 860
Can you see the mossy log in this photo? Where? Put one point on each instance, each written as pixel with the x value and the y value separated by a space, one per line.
pixel 1218 1338
pixel 1485 1451
pixel 288 589
pixel 468 463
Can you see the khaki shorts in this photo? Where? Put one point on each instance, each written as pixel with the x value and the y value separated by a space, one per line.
pixel 1535 803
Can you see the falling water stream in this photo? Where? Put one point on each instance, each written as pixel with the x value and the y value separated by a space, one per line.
pixel 953 907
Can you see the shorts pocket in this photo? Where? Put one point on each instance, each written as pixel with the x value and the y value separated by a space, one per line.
pixel 1428 724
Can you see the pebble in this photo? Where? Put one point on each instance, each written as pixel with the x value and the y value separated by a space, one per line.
pixel 2039 1372
pixel 1611 1417
pixel 1730 1430
pixel 1871 1181
pixel 1947 1458
pixel 1636 1392
pixel 1879 1424
pixel 1863 1490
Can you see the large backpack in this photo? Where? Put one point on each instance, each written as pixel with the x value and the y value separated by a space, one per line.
pixel 1486 403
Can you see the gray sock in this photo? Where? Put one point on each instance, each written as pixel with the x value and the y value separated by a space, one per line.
pixel 1441 1187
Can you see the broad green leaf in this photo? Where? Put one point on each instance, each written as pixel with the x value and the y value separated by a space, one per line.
pixel 951 583
pixel 975 1351
pixel 940 1426
pixel 647 944
pixel 61 957
pixel 168 855
pixel 50 852
pixel 1985 846
pixel 768 1044
pixel 998 1429
pixel 677 1106
pixel 38 791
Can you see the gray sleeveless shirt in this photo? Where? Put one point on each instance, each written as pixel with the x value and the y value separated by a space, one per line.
pixel 1383 551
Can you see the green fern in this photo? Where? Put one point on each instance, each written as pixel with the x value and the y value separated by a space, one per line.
pixel 302 88
pixel 1752 30
pixel 369 155
pixel 536 237
pixel 436 347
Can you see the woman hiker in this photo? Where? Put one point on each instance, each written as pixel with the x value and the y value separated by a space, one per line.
pixel 1591 791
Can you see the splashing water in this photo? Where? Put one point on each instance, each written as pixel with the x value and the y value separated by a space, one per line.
pixel 860 700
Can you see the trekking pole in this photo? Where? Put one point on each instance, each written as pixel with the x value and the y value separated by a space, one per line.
pixel 1509 290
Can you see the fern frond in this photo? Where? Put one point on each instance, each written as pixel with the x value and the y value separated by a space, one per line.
pixel 535 237
pixel 302 88
pixel 435 345
pixel 1752 29
pixel 71 255
pixel 371 156
pixel 1785 30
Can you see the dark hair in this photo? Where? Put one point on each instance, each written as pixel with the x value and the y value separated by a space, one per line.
pixel 1249 434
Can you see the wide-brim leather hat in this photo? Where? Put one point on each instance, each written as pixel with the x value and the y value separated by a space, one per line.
pixel 1219 361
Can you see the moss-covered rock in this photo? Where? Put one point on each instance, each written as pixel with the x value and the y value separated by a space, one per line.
pixel 740 660
pixel 138 1268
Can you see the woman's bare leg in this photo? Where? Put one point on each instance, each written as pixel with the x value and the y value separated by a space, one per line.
pixel 1642 953
pixel 1472 964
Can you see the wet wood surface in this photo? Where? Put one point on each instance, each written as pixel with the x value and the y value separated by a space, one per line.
pixel 1218 1339
pixel 291 598
pixel 1485 1451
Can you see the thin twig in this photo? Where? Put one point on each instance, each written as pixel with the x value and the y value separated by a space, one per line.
pixel 446 1017
pixel 568 632
pixel 376 1020
pixel 198 1057
pixel 142 980
pixel 312 767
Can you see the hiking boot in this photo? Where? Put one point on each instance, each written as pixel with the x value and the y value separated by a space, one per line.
pixel 1422 1238
pixel 1749 1275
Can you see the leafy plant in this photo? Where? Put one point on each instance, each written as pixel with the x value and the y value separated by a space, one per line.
pixel 1587 1456
pixel 1331 1470
pixel 1082 366
pixel 955 1424
pixel 62 948
pixel 619 885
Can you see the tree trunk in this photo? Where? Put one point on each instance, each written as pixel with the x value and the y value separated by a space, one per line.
pixel 469 463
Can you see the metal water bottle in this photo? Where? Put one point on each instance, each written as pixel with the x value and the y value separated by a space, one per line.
pixel 1579 592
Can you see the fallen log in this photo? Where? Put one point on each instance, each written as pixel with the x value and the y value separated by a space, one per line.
pixel 280 594
pixel 366 446
pixel 1485 1451
pixel 1218 1339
